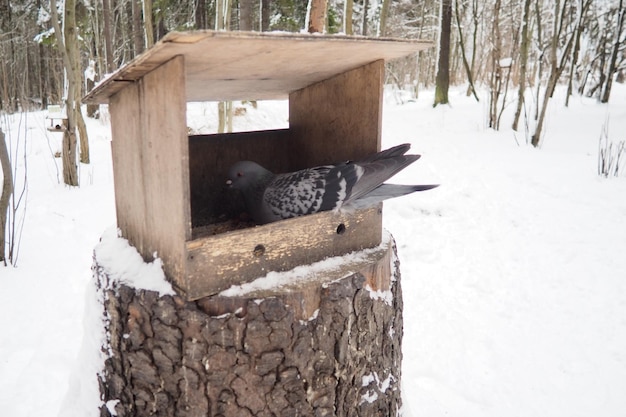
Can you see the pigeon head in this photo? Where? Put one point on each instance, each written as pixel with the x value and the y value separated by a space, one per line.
pixel 245 174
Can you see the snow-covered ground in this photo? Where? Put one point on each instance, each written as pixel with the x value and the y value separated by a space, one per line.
pixel 514 270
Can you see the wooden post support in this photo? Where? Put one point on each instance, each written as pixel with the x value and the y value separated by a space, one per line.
pixel 318 347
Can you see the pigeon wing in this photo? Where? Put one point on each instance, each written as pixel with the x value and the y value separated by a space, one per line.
pixel 298 193
pixel 372 173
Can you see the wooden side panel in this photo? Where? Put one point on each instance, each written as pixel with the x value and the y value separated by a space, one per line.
pixel 126 128
pixel 339 118
pixel 151 165
pixel 217 262
pixel 210 157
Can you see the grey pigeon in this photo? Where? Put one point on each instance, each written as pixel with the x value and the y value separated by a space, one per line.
pixel 347 185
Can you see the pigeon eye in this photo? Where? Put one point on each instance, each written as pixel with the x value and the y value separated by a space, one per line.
pixel 240 174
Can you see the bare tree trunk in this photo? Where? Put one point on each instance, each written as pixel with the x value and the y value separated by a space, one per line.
pixel 43 79
pixel 265 15
pixel 443 67
pixel 348 12
pixel 582 8
pixel 71 44
pixel 138 42
pixel 224 108
pixel 200 14
pixel 556 67
pixel 108 38
pixel 82 127
pixel 70 172
pixel 8 100
pixel 539 58
pixel 382 22
pixel 476 25
pixel 317 16
pixel 523 61
pixel 147 23
pixel 366 6
pixel 466 65
pixel 245 15
pixel 7 190
pixel 606 93
pixel 495 81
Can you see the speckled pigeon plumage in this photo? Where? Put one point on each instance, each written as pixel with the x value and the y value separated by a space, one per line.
pixel 347 185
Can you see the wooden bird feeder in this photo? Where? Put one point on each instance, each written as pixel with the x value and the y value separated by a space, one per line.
pixel 58 120
pixel 169 185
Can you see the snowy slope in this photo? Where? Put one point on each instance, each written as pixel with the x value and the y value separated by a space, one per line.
pixel 513 270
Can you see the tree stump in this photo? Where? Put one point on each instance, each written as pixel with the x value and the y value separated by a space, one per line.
pixel 328 344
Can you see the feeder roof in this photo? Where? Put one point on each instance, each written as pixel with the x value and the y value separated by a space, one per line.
pixel 255 65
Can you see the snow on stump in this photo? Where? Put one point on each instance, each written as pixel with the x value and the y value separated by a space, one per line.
pixel 321 340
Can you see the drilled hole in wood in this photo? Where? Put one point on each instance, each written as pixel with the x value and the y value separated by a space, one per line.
pixel 341 229
pixel 259 250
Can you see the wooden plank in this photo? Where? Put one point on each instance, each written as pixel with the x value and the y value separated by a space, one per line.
pixel 165 162
pixel 126 131
pixel 217 262
pixel 150 162
pixel 339 118
pixel 305 293
pixel 253 65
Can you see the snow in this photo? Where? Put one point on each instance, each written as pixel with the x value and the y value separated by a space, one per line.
pixel 513 271
pixel 123 264
pixel 506 62
pixel 306 273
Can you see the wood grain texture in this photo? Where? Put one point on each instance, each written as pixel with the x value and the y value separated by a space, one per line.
pixel 251 356
pixel 338 118
pixel 218 262
pixel 254 65
pixel 151 165
pixel 126 131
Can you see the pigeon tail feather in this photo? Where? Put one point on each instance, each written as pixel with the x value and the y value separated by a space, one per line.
pixel 386 191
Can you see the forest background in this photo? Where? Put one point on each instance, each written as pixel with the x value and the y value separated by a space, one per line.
pixel 513 52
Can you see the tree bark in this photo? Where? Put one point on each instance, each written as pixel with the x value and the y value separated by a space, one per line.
pixel 317 16
pixel 201 15
pixel 317 349
pixel 606 92
pixel 245 15
pixel 495 81
pixel 582 8
pixel 147 23
pixel 523 61
pixel 348 12
pixel 382 21
pixel 70 172
pixel 224 108
pixel 138 41
pixel 265 15
pixel 443 68
pixel 366 6
pixel 7 190
pixel 108 38
pixel 466 65
pixel 556 68
pixel 74 76
pixel 8 99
